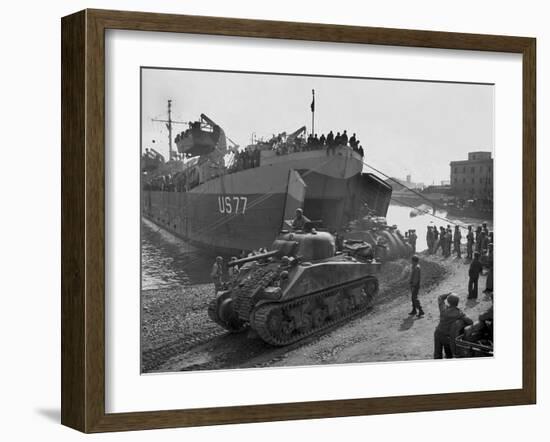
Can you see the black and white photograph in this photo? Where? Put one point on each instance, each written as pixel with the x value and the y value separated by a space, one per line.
pixel 301 220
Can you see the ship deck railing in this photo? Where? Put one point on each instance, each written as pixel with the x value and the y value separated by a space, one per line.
pixel 267 157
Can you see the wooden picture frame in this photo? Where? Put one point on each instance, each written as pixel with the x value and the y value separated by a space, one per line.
pixel 83 220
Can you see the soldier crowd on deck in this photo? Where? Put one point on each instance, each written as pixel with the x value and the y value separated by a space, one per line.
pixel 250 157
pixel 282 145
pixel 329 142
pixel 245 159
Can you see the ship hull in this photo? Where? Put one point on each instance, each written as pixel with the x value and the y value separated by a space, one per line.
pixel 247 209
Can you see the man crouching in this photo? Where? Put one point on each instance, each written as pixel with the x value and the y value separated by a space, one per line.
pixel 449 314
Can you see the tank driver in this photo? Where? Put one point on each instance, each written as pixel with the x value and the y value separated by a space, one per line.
pixel 299 221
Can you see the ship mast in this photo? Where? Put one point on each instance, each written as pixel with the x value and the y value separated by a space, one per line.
pixel 169 122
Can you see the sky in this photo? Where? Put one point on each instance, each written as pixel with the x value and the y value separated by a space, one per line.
pixel 405 127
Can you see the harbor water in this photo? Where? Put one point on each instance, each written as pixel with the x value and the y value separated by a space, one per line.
pixel 401 217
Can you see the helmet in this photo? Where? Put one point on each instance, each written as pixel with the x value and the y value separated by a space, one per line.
pixel 452 299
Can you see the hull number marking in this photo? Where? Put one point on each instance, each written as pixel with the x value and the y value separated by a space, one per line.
pixel 232 204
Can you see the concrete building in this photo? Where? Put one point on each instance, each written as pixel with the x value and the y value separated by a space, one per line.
pixel 473 178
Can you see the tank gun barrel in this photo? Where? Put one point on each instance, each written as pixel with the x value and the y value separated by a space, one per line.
pixel 252 258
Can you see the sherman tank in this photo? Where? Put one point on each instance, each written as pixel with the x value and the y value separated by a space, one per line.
pixel 300 287
pixel 387 241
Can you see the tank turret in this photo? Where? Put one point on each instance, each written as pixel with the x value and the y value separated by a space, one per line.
pixel 386 241
pixel 302 286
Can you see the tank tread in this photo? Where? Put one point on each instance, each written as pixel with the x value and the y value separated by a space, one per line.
pixel 261 314
pixel 213 306
pixel 213 313
pixel 243 294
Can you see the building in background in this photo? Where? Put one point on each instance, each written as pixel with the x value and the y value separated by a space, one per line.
pixel 473 178
pixel 403 184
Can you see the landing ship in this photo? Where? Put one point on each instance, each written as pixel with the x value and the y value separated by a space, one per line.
pixel 228 199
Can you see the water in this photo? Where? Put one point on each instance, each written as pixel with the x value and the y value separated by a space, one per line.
pixel 400 215
pixel 168 261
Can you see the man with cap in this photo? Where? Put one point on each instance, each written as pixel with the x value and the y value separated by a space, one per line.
pixel 300 220
pixel 414 283
pixel 449 314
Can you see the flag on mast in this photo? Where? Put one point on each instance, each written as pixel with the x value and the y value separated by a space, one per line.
pixel 313 100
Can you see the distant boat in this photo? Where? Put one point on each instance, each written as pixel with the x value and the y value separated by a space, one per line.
pixel 479 209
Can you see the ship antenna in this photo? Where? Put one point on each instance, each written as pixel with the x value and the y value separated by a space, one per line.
pixel 313 112
pixel 169 122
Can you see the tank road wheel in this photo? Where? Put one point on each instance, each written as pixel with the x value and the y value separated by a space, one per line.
pixel 336 311
pixel 346 305
pixel 370 289
pixel 318 317
pixel 275 322
pixel 306 323
pixel 287 328
pixel 213 312
pixel 222 313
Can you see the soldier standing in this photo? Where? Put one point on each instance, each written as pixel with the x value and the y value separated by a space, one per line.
pixel 337 139
pixel 353 142
pixel 478 239
pixel 449 241
pixel 489 280
pixel 473 273
pixel 414 283
pixel 484 243
pixel 443 240
pixel 344 138
pixel 233 271
pixel 436 239
pixel 217 273
pixel 412 239
pixel 469 243
pixel 457 238
pixel 430 239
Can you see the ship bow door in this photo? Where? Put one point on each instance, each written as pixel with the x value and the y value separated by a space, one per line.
pixel 295 196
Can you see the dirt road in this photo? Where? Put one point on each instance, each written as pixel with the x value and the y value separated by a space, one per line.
pixel 178 335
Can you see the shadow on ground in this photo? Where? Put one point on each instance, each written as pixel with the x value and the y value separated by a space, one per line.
pixel 51 414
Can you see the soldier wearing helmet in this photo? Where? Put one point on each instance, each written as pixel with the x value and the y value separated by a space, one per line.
pixel 300 220
pixel 449 314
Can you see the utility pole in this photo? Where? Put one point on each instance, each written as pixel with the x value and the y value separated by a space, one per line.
pixel 313 112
